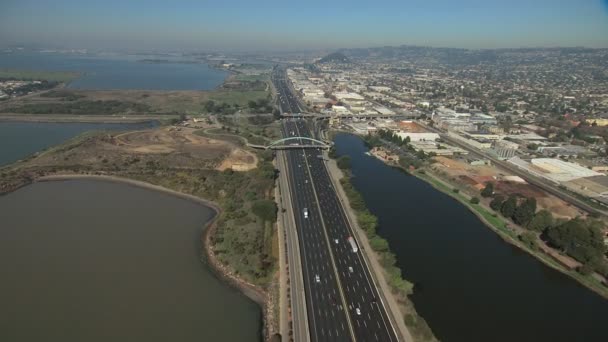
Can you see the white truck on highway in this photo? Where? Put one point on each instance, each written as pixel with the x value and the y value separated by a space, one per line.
pixel 353 244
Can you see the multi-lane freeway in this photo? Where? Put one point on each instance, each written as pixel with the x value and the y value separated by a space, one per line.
pixel 342 301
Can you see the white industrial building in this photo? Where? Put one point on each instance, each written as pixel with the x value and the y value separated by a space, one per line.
pixel 562 171
pixel 472 142
pixel 555 170
pixel 415 137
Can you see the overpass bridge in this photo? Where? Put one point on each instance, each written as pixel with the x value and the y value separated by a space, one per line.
pixel 341 116
pixel 282 144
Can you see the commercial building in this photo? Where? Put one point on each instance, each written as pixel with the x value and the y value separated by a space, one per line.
pixel 415 137
pixel 555 170
pixel 504 149
pixel 479 144
pixel 438 149
pixel 564 150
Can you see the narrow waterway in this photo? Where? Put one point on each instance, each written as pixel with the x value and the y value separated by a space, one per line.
pixel 20 139
pixel 101 261
pixel 470 284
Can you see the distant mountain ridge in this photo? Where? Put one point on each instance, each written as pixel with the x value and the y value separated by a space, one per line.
pixel 459 56
pixel 336 57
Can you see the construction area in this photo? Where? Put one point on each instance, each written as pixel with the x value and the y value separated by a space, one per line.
pixel 472 177
pixel 178 146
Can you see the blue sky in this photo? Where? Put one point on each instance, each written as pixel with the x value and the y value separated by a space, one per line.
pixel 309 24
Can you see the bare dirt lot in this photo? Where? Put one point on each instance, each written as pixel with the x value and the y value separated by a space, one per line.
pixel 475 177
pixel 178 147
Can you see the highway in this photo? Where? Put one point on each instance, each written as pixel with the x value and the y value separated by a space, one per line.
pixel 342 300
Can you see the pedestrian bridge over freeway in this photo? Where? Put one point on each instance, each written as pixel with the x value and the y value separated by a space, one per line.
pixel 293 143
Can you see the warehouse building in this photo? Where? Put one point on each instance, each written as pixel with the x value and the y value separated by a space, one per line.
pixel 414 137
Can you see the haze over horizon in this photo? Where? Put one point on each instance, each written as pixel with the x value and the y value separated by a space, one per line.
pixel 240 25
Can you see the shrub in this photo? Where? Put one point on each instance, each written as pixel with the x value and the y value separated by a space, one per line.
pixel 265 209
pixel 344 162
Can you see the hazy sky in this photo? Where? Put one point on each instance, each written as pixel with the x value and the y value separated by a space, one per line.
pixel 303 24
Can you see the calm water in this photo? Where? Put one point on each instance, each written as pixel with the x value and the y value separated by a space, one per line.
pixel 20 139
pixel 99 261
pixel 122 72
pixel 470 285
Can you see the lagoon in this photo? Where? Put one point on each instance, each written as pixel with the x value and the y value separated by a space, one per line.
pixel 100 261
pixel 101 72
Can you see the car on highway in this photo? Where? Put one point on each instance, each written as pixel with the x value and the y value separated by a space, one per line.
pixel 336 241
pixel 350 269
pixel 317 278
pixel 358 311
pixel 305 213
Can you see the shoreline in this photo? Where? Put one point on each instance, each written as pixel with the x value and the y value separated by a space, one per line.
pixel 254 293
pixel 546 259
pixel 55 118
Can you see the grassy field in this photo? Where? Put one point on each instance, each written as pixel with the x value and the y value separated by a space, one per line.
pixel 240 98
pixel 33 75
pixel 145 102
pixel 251 78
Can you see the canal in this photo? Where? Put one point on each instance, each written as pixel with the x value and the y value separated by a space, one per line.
pixel 101 261
pixel 469 284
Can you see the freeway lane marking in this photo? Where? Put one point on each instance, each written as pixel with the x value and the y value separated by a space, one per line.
pixel 348 319
pixel 291 183
pixel 338 207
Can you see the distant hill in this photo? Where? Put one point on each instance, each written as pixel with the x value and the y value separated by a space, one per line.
pixel 430 56
pixel 336 57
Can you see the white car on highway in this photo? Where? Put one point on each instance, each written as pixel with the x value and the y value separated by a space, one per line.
pixel 358 311
pixel 317 278
pixel 305 213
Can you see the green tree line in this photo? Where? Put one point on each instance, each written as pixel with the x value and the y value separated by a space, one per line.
pixel 581 239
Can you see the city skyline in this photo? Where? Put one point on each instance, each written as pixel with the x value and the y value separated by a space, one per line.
pixel 272 25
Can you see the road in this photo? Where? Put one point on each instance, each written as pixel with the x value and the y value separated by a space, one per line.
pixel 342 299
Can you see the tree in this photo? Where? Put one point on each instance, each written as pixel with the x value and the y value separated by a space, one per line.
pixel 585 269
pixel 265 209
pixel 488 191
pixel 368 222
pixel 507 122
pixel 541 221
pixel 529 239
pixel 581 240
pixel 525 211
pixel 344 162
pixel 252 104
pixel 496 202
pixel 379 244
pixel 209 106
pixel 474 200
pixel 508 207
